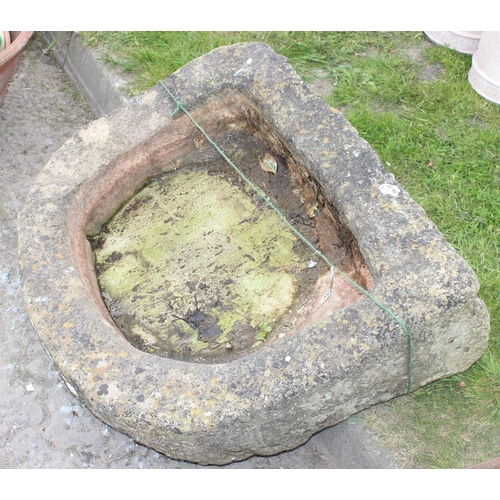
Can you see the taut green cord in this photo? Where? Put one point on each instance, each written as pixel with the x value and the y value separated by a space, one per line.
pixel 296 232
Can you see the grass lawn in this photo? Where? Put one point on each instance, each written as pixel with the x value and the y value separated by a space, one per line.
pixel 412 102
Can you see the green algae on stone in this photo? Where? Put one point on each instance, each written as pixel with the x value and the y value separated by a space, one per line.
pixel 192 264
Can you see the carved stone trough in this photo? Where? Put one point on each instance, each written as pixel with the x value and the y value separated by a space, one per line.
pixel 322 361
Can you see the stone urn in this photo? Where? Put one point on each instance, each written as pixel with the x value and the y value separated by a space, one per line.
pixel 484 75
pixel 9 57
pixel 465 42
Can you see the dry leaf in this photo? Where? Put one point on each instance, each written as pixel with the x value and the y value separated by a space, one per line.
pixel 268 163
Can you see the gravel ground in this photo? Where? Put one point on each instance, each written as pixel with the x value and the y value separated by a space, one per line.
pixel 41 424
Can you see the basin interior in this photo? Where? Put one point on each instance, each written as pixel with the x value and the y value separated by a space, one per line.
pixel 195 265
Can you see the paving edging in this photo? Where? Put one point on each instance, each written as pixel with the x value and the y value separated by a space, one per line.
pixel 102 89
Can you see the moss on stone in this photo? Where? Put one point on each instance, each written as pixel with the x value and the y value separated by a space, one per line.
pixel 189 242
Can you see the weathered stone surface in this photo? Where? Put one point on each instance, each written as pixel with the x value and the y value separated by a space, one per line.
pixel 277 397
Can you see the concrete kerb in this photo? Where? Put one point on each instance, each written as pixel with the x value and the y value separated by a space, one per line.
pixel 101 88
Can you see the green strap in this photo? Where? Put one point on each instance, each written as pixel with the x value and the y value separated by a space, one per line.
pixel 297 233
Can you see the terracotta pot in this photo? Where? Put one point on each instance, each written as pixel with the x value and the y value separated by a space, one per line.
pixel 466 42
pixel 5 40
pixel 9 57
pixel 484 75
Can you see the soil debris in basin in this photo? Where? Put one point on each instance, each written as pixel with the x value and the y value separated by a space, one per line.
pixel 196 266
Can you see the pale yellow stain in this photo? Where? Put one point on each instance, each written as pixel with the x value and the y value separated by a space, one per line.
pixel 149 97
pixel 59 255
pixel 150 404
pixel 113 391
pixel 155 120
pixel 51 207
pixel 97 133
pixel 67 325
pixel 99 371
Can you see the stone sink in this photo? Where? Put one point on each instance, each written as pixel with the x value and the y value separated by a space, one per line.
pixel 213 361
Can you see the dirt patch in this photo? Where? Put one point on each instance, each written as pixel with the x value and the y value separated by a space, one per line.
pixel 320 84
pixel 429 72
